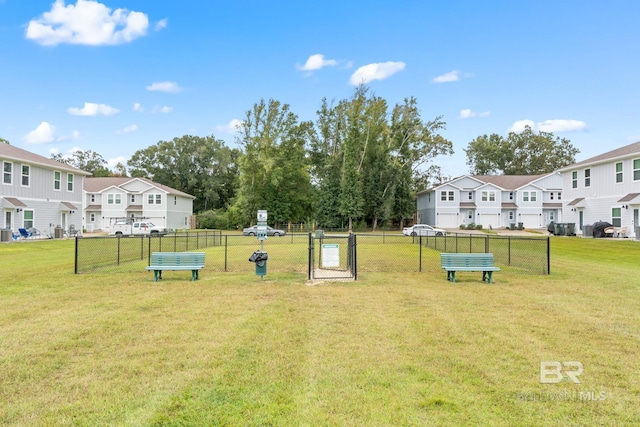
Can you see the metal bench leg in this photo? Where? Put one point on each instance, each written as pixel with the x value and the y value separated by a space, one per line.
pixel 194 275
pixel 490 279
pixel 453 276
pixel 155 275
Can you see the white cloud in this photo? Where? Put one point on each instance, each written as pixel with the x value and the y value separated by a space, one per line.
pixel 232 127
pixel 111 163
pixel 557 125
pixel 521 124
pixel 560 125
pixel 138 107
pixel 128 129
pixel 42 134
pixel 316 62
pixel 161 24
pixel 169 87
pixel 93 109
pixel 451 76
pixel 161 109
pixel 376 71
pixel 468 113
pixel 88 22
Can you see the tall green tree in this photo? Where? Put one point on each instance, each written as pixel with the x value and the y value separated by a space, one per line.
pixel 524 153
pixel 274 169
pixel 4 141
pixel 201 166
pixel 366 161
pixel 414 146
pixel 89 161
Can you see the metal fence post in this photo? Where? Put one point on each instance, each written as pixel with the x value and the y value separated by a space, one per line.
pixel 548 255
pixel 226 245
pixel 75 266
pixel 420 257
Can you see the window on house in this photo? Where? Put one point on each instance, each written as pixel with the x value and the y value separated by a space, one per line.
pixel 551 195
pixel 451 196
pixel 69 182
pixel 175 200
pixel 559 195
pixel 484 196
pixel 28 219
pixel 26 171
pixel 443 196
pixel 525 196
pixel 574 179
pixel 133 198
pixel 118 199
pixel 56 180
pixel 470 195
pixel 93 198
pixel 158 199
pixel 534 196
pixel 636 170
pixel 511 215
pixel 587 177
pixel 7 174
pixel 92 217
pixel 109 199
pixel 150 199
pixel 616 217
pixel 511 195
pixel 492 196
pixel 619 172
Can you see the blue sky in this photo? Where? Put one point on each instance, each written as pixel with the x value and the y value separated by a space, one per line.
pixel 116 76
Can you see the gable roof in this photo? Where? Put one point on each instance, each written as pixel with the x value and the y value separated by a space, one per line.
pixel 509 182
pixel 13 153
pixel 96 185
pixel 626 151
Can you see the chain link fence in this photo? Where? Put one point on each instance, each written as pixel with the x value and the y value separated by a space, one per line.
pixel 290 253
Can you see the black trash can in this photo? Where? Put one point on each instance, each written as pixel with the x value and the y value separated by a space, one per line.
pixel 260 258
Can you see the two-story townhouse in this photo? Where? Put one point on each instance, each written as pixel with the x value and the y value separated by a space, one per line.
pixel 37 192
pixel 493 201
pixel 604 188
pixel 108 200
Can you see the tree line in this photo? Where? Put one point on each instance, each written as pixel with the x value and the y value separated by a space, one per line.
pixel 360 162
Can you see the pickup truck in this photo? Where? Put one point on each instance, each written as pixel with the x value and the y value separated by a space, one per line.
pixel 136 228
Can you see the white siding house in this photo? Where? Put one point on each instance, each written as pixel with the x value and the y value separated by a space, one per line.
pixel 37 192
pixel 604 188
pixel 493 201
pixel 110 199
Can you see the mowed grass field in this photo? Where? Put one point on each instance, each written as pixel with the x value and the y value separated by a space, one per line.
pixel 389 349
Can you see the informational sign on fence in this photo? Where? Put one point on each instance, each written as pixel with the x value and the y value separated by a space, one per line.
pixel 330 255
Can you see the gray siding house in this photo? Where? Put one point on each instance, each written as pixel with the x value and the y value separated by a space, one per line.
pixel 493 201
pixel 37 192
pixel 604 188
pixel 108 200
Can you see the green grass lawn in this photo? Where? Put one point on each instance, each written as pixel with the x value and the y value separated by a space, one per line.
pixel 390 349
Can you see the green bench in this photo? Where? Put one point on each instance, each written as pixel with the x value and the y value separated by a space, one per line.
pixel 468 262
pixel 160 261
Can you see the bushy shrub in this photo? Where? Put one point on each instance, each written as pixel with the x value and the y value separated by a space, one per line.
pixel 217 219
pixel 479 227
pixel 471 226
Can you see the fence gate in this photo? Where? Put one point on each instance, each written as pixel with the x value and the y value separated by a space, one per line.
pixel 332 257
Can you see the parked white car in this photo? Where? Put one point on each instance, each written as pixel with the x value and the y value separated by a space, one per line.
pixel 423 230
